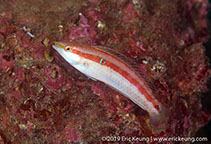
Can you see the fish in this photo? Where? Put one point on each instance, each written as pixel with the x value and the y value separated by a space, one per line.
pixel 114 69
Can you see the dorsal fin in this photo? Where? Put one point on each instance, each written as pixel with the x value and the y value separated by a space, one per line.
pixel 131 63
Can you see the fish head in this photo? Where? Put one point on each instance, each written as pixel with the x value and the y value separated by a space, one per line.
pixel 66 50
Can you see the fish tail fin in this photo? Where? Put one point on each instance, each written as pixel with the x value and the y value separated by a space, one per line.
pixel 160 120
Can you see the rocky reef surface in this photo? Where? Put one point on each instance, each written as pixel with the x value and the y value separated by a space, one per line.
pixel 44 100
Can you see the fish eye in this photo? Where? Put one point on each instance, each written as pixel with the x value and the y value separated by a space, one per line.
pixel 67 48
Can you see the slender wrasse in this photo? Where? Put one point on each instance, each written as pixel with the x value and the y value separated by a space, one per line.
pixel 105 65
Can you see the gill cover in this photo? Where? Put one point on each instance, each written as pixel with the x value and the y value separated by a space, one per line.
pixel 66 52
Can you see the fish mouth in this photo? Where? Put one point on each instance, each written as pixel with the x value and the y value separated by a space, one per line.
pixel 58 45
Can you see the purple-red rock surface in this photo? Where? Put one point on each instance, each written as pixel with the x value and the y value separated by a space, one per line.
pixel 43 100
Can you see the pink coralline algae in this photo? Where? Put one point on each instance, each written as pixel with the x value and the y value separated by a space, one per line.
pixel 54 76
pixel 45 100
pixel 72 135
pixel 83 30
